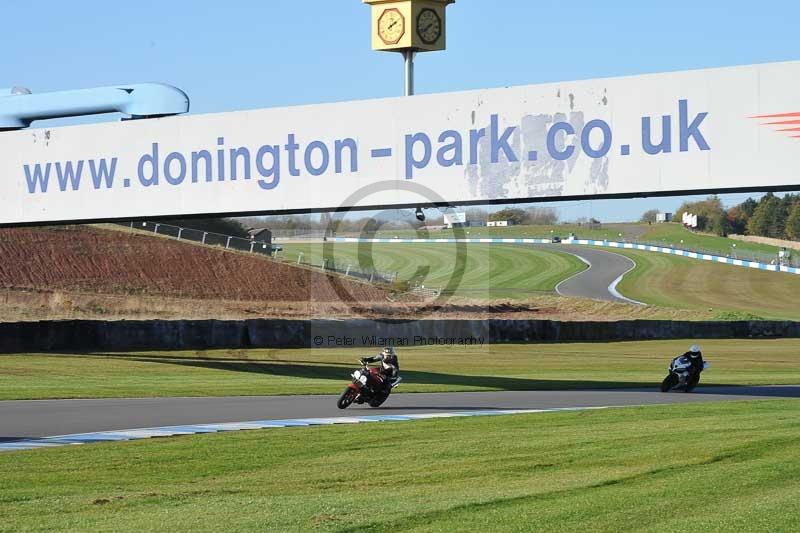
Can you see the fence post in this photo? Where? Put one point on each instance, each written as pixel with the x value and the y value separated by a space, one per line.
pixel 180 231
pixel 156 230
pixel 228 243
pixel 347 273
pixel 371 276
pixel 324 262
pixel 299 257
pixel 204 237
pixel 252 243
pixel 131 224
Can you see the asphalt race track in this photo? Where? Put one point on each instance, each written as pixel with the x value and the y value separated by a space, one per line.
pixel 42 418
pixel 598 282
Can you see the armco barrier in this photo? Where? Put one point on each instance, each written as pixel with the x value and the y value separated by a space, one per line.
pixel 97 336
pixel 587 242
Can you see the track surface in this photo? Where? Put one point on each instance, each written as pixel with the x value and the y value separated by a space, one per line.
pixel 42 418
pixel 599 280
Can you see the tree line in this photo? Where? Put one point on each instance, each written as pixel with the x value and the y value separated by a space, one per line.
pixel 770 216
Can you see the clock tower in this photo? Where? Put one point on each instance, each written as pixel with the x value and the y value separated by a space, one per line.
pixel 409 25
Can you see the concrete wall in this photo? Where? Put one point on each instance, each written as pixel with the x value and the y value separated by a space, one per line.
pixel 67 336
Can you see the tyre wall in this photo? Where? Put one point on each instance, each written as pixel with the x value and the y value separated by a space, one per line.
pixel 61 336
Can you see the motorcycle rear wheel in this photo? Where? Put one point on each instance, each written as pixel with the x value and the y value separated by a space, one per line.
pixel 378 400
pixel 669 382
pixel 346 398
pixel 693 382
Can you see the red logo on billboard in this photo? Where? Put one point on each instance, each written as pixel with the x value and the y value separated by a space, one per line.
pixel 788 123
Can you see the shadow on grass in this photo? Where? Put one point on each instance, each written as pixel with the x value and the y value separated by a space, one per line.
pixel 341 372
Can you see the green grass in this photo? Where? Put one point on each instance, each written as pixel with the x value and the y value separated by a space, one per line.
pixel 427 369
pixel 679 282
pixel 703 467
pixel 673 234
pixel 664 234
pixel 490 271
pixel 517 272
pixel 606 231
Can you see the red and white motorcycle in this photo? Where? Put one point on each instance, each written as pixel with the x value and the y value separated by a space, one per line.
pixel 368 386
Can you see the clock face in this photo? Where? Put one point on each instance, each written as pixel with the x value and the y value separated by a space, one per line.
pixel 391 26
pixel 429 26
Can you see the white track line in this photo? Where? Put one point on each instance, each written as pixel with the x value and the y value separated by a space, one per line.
pixel 198 429
pixel 589 263
pixel 613 287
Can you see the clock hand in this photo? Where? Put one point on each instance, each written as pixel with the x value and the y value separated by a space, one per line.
pixel 392 25
pixel 429 26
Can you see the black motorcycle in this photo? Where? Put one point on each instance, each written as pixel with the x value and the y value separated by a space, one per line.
pixel 680 375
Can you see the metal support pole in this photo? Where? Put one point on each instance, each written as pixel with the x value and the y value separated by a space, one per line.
pixel 408 56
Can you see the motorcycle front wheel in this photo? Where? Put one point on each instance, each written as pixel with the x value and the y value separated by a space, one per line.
pixel 346 398
pixel 669 382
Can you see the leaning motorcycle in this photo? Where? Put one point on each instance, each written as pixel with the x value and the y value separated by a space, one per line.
pixel 368 386
pixel 680 376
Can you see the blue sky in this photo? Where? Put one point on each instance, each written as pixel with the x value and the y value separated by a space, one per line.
pixel 249 54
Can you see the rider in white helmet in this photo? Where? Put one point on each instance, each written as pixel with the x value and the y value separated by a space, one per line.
pixel 695 356
pixel 390 366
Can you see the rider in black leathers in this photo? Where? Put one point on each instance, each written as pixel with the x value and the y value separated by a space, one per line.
pixel 390 366
pixel 695 357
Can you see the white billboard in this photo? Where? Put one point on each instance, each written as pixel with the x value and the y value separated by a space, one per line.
pixel 717 129
pixel 455 218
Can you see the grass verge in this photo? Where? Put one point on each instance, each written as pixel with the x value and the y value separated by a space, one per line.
pixel 730 291
pixel 490 271
pixel 425 369
pixel 722 466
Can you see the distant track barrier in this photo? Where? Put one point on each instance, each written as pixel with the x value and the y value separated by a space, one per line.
pixel 588 242
pixel 71 336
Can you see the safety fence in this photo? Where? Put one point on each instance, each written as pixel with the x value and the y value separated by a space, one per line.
pixel 735 253
pixel 299 234
pixel 208 238
pixel 344 268
pixel 735 261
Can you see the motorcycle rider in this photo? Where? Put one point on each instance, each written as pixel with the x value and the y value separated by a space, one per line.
pixel 695 357
pixel 390 366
